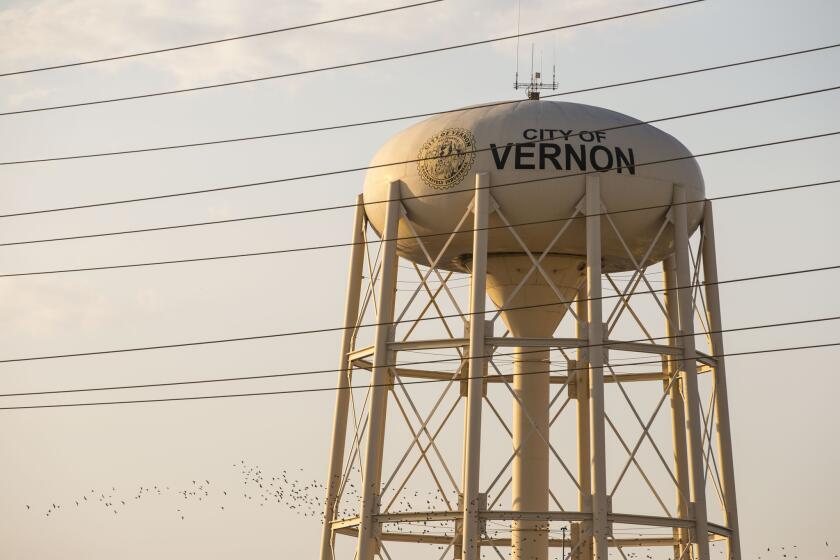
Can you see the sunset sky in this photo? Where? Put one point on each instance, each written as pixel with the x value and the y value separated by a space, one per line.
pixel 783 406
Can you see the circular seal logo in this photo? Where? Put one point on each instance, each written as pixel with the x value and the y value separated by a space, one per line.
pixel 446 158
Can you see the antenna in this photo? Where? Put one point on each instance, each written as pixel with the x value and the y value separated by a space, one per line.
pixel 518 21
pixel 532 60
pixel 535 84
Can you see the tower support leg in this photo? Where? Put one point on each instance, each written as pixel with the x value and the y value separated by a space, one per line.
pixel 342 396
pixel 581 373
pixel 380 379
pixel 600 526
pixel 724 436
pixel 475 384
pixel 683 492
pixel 689 369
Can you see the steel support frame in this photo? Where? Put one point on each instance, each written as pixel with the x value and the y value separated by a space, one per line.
pixel 586 382
pixel 342 398
pixel 679 445
pixel 721 411
pixel 367 545
pixel 597 431
pixel 689 373
pixel 470 548
pixel 582 395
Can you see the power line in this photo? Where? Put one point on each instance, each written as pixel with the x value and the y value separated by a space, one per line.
pixel 217 41
pixel 421 362
pixel 465 230
pixel 343 206
pixel 292 213
pixel 350 170
pixel 351 64
pixel 420 115
pixel 435 318
pixel 370 385
pixel 260 183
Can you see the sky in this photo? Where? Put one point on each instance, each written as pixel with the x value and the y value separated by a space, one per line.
pixel 783 409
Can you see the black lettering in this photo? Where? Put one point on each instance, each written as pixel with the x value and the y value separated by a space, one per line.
pixel 552 157
pixel 622 160
pixel 533 131
pixel 521 154
pixel 565 133
pixel 500 161
pixel 594 160
pixel 586 136
pixel 600 135
pixel 579 158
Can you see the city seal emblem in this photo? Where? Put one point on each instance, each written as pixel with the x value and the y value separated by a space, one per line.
pixel 446 158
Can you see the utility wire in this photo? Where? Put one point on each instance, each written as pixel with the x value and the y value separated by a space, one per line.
pixel 371 385
pixel 401 364
pixel 217 41
pixel 465 230
pixel 431 318
pixel 350 170
pixel 419 115
pixel 292 213
pixel 203 191
pixel 281 214
pixel 350 64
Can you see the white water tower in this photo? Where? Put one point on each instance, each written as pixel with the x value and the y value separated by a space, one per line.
pixel 594 397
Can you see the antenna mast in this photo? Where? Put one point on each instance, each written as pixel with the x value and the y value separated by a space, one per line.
pixel 536 84
pixel 518 20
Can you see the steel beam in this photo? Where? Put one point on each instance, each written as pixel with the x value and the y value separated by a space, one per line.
pixel 600 525
pixel 581 374
pixel 342 398
pixel 680 449
pixel 476 372
pixel 689 372
pixel 724 435
pixel 382 357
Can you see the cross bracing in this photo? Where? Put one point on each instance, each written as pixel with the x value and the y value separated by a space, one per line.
pixel 409 476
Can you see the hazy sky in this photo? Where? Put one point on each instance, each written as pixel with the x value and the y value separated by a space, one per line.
pixel 784 413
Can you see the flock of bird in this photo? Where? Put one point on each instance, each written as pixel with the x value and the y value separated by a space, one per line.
pixel 305 498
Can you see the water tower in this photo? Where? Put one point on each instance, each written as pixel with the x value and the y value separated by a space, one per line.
pixel 593 417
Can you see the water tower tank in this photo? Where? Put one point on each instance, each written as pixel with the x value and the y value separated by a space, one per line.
pixel 542 151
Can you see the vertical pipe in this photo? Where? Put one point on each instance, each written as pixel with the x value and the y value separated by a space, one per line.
pixel 724 436
pixel 475 384
pixel 677 407
pixel 529 489
pixel 600 526
pixel 342 397
pixel 380 377
pixel 581 374
pixel 689 367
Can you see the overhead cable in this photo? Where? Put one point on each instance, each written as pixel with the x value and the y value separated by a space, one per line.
pixel 401 364
pixel 351 64
pixel 344 206
pixel 431 318
pixel 465 230
pixel 355 169
pixel 370 385
pixel 419 115
pixel 217 41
